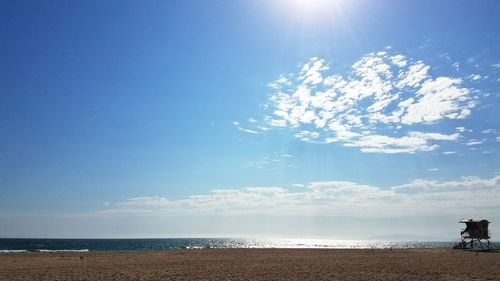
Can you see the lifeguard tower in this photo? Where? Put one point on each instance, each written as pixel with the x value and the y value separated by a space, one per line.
pixel 475 236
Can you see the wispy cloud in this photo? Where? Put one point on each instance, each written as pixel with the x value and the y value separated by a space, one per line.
pixel 248 130
pixel 474 77
pixel 488 131
pixel 282 81
pixel 237 124
pixel 464 195
pixel 475 142
pixel 415 141
pixel 373 107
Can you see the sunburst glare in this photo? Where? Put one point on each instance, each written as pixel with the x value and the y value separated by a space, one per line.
pixel 313 10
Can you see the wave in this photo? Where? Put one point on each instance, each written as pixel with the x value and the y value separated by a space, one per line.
pixel 58 251
pixel 13 251
pixel 45 251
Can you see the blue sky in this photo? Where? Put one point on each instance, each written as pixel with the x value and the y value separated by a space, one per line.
pixel 167 112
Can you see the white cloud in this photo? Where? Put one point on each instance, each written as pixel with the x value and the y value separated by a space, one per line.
pixel 475 142
pixel 488 131
pixel 306 135
pixel 474 77
pixel 473 184
pixel 398 60
pixel 438 99
pixel 311 72
pixel 434 136
pixel 413 76
pixel 433 169
pixel 382 91
pixel 449 152
pixel 252 120
pixel 248 130
pixel 280 82
pixel 237 124
pixel 277 123
pixel 413 142
pixel 330 198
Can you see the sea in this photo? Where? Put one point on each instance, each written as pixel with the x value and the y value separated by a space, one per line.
pixel 13 245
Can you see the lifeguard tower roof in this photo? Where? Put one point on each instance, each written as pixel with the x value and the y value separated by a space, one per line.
pixel 471 220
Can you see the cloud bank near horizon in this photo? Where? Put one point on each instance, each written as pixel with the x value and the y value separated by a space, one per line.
pixel 466 196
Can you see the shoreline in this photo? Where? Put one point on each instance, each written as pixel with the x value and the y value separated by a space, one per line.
pixel 253 264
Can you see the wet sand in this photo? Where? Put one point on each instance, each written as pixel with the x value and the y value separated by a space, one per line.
pixel 253 264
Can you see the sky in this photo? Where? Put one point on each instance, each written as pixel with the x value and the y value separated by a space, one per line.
pixel 335 119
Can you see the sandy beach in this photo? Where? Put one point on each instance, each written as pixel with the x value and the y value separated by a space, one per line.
pixel 253 264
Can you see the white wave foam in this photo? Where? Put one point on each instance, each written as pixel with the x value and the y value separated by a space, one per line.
pixel 57 251
pixel 194 247
pixel 12 251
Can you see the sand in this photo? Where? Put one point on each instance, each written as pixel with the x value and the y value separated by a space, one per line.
pixel 253 264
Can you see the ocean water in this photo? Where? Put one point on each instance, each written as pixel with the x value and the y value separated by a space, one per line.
pixel 86 245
